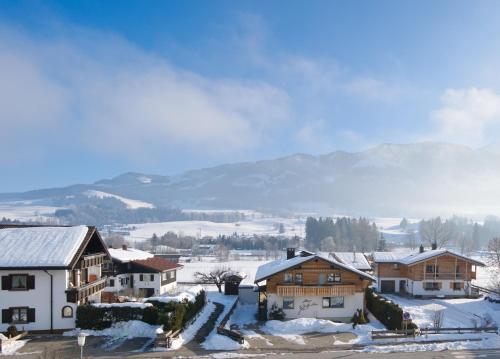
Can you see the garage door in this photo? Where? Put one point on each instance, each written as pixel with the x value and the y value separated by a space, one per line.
pixel 387 286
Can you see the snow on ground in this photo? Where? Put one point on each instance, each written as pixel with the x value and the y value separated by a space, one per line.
pixel 488 341
pixel 259 226
pixel 26 210
pixel 189 295
pixel 121 330
pixel 188 334
pixel 216 341
pixel 462 312
pixel 11 347
pixel 293 330
pixel 249 267
pixel 130 203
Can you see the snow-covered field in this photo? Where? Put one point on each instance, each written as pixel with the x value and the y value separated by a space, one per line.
pixel 261 226
pixel 249 267
pixel 26 210
pixel 130 203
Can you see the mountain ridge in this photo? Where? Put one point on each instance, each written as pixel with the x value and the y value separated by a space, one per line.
pixel 388 179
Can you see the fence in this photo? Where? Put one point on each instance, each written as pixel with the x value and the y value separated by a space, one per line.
pixel 404 333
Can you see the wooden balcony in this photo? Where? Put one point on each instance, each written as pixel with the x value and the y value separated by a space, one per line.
pixel 336 290
pixel 444 276
pixel 92 260
pixel 77 294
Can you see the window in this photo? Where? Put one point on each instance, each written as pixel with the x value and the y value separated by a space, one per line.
pixel 298 278
pixel 288 303
pixel 111 282
pixel 67 312
pixel 152 277
pixel 429 269
pixel 288 278
pixel 19 315
pixel 141 277
pixel 457 286
pixel 333 302
pixel 334 277
pixel 19 281
pixel 395 266
pixel 431 286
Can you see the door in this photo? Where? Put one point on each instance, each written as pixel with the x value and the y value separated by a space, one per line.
pixel 387 286
pixel 321 279
pixel 402 286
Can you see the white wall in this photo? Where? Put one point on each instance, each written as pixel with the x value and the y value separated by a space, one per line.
pixel 417 288
pixel 312 307
pixel 168 288
pixel 118 287
pixel 39 298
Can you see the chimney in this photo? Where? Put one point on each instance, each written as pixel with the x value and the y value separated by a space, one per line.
pixel 421 248
pixel 290 253
pixel 124 247
pixel 434 246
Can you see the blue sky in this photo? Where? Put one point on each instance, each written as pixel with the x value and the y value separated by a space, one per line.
pixel 93 89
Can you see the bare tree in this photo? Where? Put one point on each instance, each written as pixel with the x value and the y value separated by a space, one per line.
pixel 436 231
pixel 494 251
pixel 437 319
pixel 216 276
pixel 412 239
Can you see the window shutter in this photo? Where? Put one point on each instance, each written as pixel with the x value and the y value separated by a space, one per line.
pixel 31 282
pixel 6 316
pixel 6 283
pixel 31 315
pixel 141 277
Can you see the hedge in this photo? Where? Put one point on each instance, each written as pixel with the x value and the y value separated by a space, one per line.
pixel 389 313
pixel 171 315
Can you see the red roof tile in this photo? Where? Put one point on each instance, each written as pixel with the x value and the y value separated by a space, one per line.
pixel 157 263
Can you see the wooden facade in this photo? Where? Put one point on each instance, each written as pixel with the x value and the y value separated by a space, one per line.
pixel 442 267
pixel 311 278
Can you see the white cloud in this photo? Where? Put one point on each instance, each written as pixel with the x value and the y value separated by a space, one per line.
pixel 98 91
pixel 373 89
pixel 467 115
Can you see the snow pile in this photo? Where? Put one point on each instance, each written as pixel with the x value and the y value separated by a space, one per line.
pixel 189 295
pixel 40 246
pixel 492 342
pixel 126 304
pixel 127 330
pixel 11 347
pixel 3 337
pixel 293 329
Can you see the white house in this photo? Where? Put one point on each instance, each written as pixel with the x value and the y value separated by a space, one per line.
pixel 46 272
pixel 311 285
pixel 133 272
pixel 427 273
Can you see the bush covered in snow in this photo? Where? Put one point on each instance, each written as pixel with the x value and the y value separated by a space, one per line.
pixel 170 314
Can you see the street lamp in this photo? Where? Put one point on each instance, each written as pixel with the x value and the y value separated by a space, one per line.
pixel 81 343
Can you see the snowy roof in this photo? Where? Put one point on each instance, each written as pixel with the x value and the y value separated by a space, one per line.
pixel 390 257
pixel 387 257
pixel 129 254
pixel 271 268
pixel 40 246
pixel 357 260
pixel 418 257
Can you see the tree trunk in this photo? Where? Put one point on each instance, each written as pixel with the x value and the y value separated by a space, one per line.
pixel 219 287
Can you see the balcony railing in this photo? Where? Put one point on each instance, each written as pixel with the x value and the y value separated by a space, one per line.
pixel 337 290
pixel 77 294
pixel 92 260
pixel 446 276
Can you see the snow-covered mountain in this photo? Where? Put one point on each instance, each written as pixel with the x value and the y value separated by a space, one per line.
pixel 388 180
